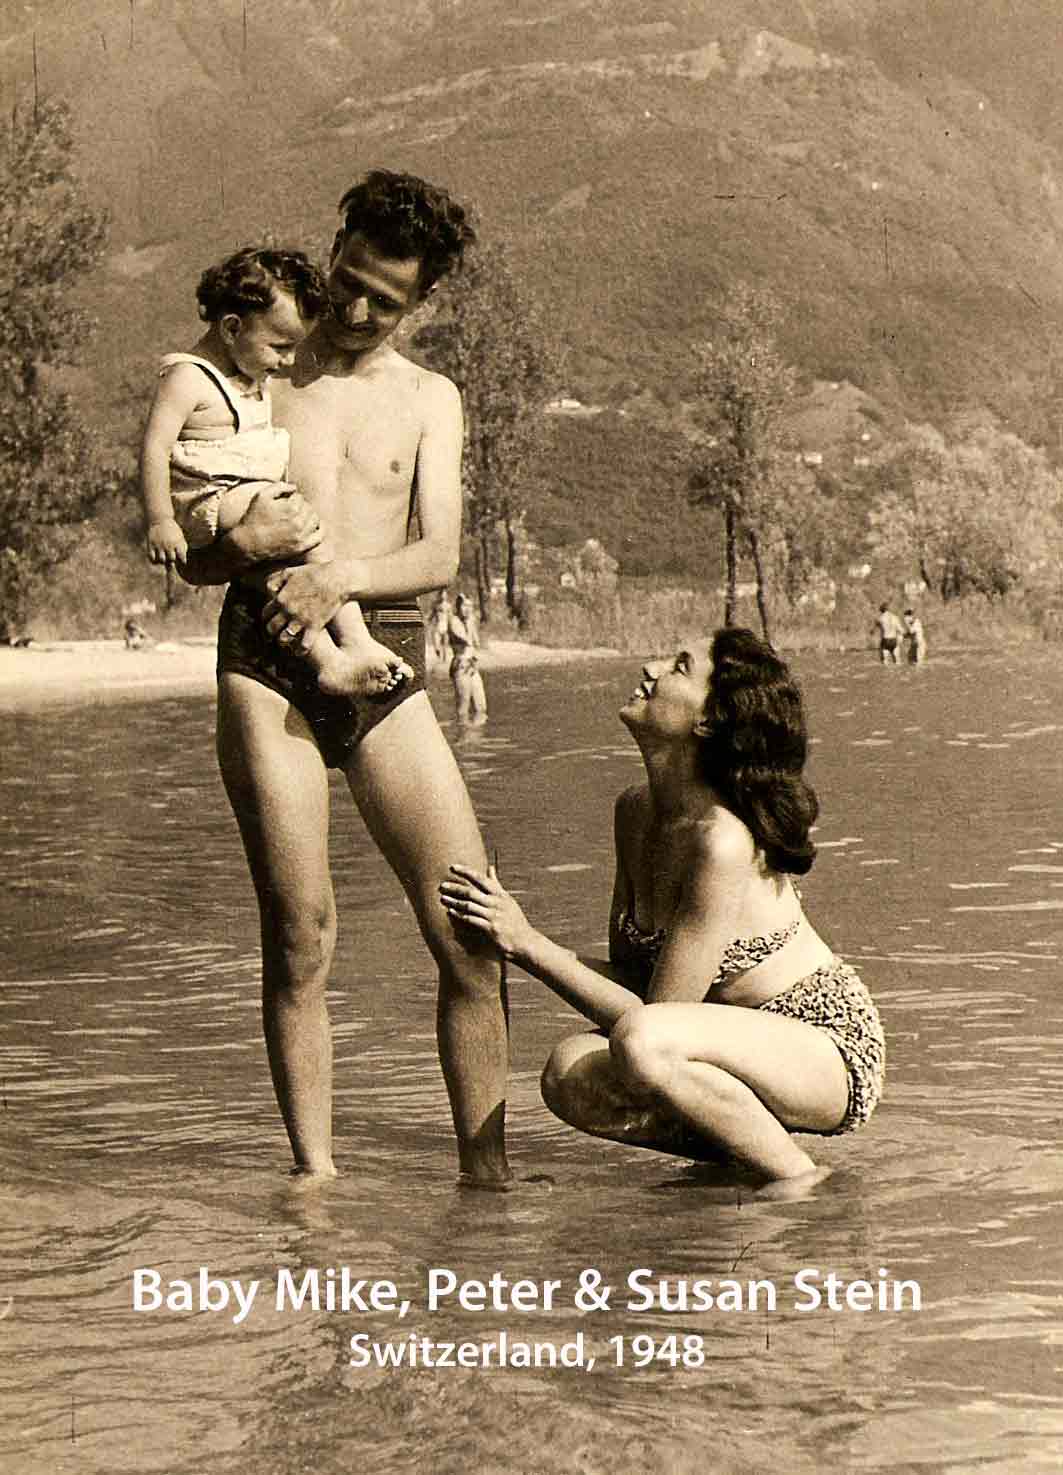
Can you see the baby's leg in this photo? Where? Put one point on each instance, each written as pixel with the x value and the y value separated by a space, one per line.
pixel 353 663
pixel 235 500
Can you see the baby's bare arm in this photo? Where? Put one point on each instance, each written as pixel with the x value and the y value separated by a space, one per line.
pixel 177 395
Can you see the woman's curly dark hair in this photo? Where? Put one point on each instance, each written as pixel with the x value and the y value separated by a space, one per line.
pixel 246 282
pixel 402 216
pixel 754 750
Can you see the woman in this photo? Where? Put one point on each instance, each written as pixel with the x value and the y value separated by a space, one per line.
pixel 470 698
pixel 724 1020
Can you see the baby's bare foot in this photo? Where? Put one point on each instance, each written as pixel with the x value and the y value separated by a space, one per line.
pixel 369 670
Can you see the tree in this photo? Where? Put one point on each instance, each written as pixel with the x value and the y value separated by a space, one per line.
pixel 979 515
pixel 740 464
pixel 50 477
pixel 491 338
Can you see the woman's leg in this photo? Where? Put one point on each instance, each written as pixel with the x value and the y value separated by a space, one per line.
pixel 672 1076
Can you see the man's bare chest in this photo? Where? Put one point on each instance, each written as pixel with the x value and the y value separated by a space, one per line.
pixel 366 433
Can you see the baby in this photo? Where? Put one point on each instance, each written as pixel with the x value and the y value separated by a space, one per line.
pixel 210 443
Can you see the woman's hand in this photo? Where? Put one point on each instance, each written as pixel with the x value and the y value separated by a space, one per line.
pixel 482 902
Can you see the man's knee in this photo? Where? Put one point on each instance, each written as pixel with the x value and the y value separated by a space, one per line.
pixel 468 966
pixel 301 939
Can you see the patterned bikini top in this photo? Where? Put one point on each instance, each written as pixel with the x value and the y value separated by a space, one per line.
pixel 738 956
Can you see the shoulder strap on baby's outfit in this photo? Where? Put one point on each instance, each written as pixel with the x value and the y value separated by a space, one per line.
pixel 212 372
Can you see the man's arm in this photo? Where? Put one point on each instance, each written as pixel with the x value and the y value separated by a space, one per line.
pixel 278 524
pixel 311 594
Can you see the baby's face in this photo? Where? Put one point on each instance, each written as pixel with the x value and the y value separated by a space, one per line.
pixel 262 343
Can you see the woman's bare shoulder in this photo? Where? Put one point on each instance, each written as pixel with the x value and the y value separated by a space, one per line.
pixel 719 838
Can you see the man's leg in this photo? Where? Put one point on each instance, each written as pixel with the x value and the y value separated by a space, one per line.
pixel 278 789
pixel 411 794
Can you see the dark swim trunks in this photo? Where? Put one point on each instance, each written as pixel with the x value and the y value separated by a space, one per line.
pixel 338 724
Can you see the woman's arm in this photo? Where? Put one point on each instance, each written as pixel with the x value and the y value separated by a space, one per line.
pixel 597 998
pixel 475 900
pixel 623 898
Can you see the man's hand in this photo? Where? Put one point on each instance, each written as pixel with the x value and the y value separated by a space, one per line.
pixel 277 524
pixel 304 600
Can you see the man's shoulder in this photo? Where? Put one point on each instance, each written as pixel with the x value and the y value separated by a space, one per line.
pixel 422 381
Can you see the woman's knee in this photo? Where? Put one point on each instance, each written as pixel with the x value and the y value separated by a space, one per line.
pixel 642 1051
pixel 555 1083
pixel 576 1078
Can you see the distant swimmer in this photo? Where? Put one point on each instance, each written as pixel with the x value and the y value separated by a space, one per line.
pixel 439 630
pixel 135 635
pixel 914 638
pixel 890 631
pixel 470 697
pixel 722 1019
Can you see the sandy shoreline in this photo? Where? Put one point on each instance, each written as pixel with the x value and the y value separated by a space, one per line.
pixel 90 672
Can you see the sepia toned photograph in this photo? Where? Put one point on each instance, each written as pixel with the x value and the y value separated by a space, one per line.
pixel 531 674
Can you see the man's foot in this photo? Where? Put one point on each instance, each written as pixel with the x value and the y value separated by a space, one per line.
pixel 302 1179
pixel 512 1184
pixel 368 670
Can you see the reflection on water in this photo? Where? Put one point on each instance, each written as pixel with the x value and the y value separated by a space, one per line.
pixel 139 1128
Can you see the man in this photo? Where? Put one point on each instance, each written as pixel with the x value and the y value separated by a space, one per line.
pixel 376 455
pixel 890 631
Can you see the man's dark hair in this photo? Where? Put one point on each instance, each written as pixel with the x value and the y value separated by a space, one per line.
pixel 754 750
pixel 402 216
pixel 247 281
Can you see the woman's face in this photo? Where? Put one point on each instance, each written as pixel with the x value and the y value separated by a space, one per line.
pixel 671 696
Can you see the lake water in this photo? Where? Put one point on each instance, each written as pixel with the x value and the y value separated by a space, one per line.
pixel 138 1126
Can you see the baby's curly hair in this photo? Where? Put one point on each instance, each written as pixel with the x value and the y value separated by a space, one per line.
pixel 247 281
pixel 402 216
